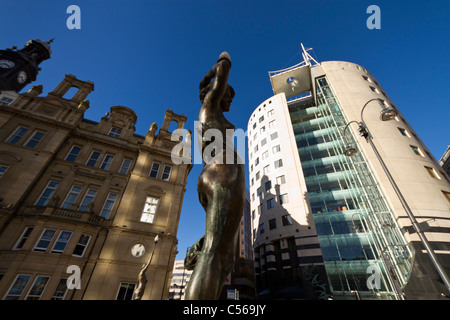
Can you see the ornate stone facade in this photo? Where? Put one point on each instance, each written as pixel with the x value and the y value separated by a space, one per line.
pixel 75 192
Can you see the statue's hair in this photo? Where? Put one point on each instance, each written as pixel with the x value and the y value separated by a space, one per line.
pixel 233 93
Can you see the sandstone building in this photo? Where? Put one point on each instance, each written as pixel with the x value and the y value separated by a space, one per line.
pixel 79 195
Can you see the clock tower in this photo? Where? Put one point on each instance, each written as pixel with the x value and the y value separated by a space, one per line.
pixel 20 67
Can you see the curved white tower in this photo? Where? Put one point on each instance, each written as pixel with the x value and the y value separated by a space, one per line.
pixel 346 207
pixel 284 238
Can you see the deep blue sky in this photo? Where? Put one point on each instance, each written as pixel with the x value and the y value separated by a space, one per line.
pixel 151 55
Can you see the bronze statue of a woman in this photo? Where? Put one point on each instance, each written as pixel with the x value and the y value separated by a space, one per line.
pixel 221 191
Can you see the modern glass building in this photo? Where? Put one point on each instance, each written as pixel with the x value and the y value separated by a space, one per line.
pixel 358 232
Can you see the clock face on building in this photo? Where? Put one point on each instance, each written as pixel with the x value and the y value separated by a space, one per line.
pixel 138 250
pixel 22 77
pixel 6 64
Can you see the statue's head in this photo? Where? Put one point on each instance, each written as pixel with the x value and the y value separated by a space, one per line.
pixel 225 104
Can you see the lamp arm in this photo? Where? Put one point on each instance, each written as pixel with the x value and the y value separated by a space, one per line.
pixel 345 129
pixel 362 110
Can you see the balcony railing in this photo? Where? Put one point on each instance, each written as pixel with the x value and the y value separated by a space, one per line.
pixel 68 214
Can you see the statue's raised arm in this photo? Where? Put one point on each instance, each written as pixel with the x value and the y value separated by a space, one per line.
pixel 215 90
pixel 214 85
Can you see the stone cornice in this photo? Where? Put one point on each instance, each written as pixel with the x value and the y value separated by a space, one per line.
pixel 36 118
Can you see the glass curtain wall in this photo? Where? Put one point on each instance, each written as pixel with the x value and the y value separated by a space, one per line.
pixel 365 254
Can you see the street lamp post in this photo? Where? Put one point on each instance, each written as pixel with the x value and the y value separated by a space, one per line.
pixel 386 115
pixel 142 278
